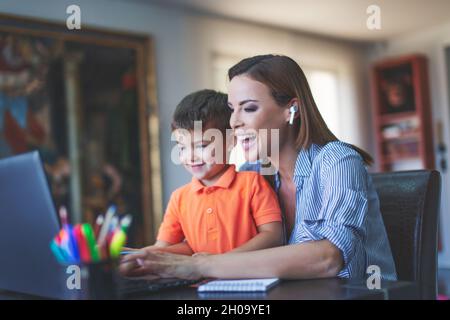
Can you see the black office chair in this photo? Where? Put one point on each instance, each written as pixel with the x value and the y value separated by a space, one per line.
pixel 409 204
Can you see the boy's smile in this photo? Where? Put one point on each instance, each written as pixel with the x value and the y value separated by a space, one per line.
pixel 195 169
pixel 203 158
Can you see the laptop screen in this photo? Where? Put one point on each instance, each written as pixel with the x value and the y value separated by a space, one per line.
pixel 28 222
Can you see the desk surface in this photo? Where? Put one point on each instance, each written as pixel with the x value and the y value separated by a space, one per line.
pixel 321 289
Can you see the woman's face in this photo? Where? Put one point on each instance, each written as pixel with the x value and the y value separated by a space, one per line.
pixel 254 109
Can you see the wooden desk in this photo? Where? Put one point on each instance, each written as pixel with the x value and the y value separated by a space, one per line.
pixel 321 289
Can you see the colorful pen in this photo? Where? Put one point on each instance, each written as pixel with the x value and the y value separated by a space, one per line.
pixel 78 243
pixel 98 224
pixel 72 246
pixel 57 252
pixel 65 246
pixel 106 224
pixel 117 243
pixel 120 237
pixel 73 243
pixel 126 222
pixel 63 216
pixel 82 244
pixel 114 224
pixel 90 239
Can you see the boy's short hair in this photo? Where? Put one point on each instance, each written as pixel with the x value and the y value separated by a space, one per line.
pixel 208 106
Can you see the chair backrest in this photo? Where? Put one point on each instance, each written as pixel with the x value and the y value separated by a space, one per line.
pixel 409 204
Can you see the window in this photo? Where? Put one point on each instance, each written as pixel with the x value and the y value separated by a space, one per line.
pixel 324 88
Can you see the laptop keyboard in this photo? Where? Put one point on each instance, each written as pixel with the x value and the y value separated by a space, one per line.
pixel 131 287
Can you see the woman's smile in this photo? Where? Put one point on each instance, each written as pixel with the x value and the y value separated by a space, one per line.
pixel 247 141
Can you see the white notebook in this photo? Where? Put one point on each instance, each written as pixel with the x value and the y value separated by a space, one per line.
pixel 247 285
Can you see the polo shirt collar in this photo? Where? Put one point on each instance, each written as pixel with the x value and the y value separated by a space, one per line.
pixel 224 181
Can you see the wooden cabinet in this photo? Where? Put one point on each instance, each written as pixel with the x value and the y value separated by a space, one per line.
pixel 403 114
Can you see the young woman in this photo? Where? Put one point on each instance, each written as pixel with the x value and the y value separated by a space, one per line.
pixel 333 225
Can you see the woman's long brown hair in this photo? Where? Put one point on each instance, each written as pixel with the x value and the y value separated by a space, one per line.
pixel 286 81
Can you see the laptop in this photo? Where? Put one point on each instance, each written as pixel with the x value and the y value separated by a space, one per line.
pixel 28 222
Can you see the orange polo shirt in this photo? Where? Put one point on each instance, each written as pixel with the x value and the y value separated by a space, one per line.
pixel 219 218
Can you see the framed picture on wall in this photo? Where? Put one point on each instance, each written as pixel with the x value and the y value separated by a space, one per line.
pixel 396 89
pixel 86 101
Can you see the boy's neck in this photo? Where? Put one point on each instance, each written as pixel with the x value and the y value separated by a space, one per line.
pixel 213 180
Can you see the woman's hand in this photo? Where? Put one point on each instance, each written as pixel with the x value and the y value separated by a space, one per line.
pixel 150 248
pixel 151 263
pixel 201 254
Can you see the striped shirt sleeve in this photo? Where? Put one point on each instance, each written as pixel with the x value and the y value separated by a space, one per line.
pixel 341 219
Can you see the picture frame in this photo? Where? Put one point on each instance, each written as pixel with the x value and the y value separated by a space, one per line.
pixel 73 131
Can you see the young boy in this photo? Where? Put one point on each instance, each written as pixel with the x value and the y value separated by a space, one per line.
pixel 220 210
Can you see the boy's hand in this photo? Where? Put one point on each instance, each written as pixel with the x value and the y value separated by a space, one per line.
pixel 269 235
pixel 153 248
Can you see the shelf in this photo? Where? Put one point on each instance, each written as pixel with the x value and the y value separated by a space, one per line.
pixel 403 137
pixel 396 117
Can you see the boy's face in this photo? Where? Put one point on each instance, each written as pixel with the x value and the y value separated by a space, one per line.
pixel 203 155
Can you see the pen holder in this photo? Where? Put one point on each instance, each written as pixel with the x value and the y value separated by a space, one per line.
pixel 102 280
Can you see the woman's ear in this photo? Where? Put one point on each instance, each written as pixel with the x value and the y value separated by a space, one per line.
pixel 292 111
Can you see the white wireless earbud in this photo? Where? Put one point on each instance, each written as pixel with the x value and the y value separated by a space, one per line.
pixel 292 110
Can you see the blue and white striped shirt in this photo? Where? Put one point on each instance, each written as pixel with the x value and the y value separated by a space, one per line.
pixel 337 201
